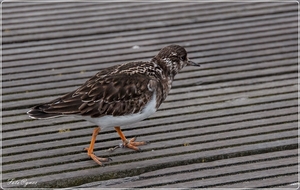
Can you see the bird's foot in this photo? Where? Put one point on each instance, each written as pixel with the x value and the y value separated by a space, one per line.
pixel 134 145
pixel 129 144
pixel 97 159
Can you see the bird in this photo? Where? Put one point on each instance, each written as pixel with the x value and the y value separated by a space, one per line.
pixel 119 95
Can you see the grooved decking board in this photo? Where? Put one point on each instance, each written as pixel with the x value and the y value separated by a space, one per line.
pixel 221 37
pixel 208 29
pixel 154 20
pixel 232 123
pixel 208 173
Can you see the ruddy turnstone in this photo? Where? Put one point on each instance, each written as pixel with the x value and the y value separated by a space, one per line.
pixel 120 95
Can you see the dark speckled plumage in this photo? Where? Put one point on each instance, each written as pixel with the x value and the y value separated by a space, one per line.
pixel 120 90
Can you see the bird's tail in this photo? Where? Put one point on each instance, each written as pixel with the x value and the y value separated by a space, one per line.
pixel 38 112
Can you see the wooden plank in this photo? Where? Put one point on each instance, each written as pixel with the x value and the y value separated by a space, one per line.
pixel 87 9
pixel 89 12
pixel 289 170
pixel 285 181
pixel 150 39
pixel 215 59
pixel 48 149
pixel 206 165
pixel 254 32
pixel 133 13
pixel 39 11
pixel 150 123
pixel 14 8
pixel 157 150
pixel 92 52
pixel 82 134
pixel 207 28
pixel 93 28
pixel 133 132
pixel 181 137
pixel 89 174
pixel 205 175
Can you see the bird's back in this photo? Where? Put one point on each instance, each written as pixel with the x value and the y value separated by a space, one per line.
pixel 117 91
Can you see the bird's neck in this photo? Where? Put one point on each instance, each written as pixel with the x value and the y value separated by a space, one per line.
pixel 169 68
pixel 167 74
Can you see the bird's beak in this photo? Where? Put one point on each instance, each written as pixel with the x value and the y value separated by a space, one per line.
pixel 191 63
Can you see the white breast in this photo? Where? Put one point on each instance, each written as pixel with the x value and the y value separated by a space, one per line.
pixel 112 121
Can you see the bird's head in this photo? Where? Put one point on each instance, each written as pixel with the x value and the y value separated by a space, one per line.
pixel 173 58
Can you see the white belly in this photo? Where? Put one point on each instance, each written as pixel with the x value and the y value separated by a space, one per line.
pixel 113 121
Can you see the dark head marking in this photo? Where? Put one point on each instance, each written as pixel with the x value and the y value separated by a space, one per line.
pixel 174 57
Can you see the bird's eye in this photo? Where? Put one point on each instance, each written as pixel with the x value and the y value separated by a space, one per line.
pixel 183 58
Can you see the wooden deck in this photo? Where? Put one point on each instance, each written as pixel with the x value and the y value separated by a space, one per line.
pixel 232 123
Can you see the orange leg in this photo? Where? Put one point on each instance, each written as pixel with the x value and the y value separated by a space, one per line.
pixel 130 143
pixel 90 149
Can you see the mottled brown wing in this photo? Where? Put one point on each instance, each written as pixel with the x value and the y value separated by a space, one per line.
pixel 116 95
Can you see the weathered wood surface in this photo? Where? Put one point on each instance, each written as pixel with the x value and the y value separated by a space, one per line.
pixel 233 122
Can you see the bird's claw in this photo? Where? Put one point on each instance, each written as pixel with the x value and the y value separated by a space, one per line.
pixel 134 145
pixel 97 159
pixel 129 144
